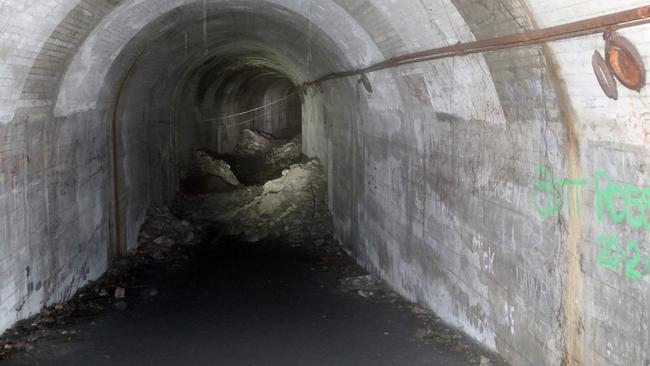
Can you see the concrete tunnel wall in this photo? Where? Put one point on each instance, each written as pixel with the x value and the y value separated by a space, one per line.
pixel 435 178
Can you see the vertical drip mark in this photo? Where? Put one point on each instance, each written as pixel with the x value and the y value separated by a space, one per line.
pixel 205 29
pixel 309 34
pixel 25 198
pixel 186 43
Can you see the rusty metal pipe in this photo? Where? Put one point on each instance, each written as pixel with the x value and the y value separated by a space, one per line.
pixel 625 19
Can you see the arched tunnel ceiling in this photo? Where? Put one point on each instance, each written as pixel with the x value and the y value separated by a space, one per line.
pixel 239 76
pixel 287 36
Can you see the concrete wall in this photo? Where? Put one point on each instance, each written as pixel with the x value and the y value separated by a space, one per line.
pixel 438 179
pixel 447 190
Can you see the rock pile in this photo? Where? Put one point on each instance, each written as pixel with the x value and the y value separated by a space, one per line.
pixel 286 154
pixel 262 158
pixel 291 204
pixel 217 208
pixel 208 174
pixel 253 143
pixel 293 207
pixel 161 230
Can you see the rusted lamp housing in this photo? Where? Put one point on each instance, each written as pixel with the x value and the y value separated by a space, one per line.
pixel 623 61
pixel 363 80
pixel 604 76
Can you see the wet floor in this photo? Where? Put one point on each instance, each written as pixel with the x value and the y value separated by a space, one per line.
pixel 245 304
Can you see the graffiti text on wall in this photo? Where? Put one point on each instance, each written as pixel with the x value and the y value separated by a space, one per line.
pixel 620 203
pixel 612 256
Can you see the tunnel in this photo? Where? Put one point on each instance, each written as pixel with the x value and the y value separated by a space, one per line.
pixel 485 161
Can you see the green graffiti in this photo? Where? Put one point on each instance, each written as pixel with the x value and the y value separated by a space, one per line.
pixel 646 205
pixel 2 178
pixel 554 193
pixel 612 256
pixel 635 204
pixel 551 198
pixel 622 202
pixel 613 190
pixel 631 268
pixel 600 194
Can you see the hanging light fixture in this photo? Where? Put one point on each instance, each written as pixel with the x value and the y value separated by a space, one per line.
pixel 604 76
pixel 625 62
pixel 366 83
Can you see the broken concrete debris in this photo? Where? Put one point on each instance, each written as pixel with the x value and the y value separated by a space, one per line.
pixel 257 169
pixel 365 286
pixel 293 207
pixel 163 227
pixel 484 361
pixel 208 166
pixel 216 208
pixel 286 154
pixel 253 143
pixel 162 230
pixel 208 174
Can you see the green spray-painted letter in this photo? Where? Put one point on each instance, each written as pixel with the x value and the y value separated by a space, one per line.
pixel 611 255
pixel 631 267
pixel 551 197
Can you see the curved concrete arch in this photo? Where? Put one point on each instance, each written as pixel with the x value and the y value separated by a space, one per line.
pixel 104 45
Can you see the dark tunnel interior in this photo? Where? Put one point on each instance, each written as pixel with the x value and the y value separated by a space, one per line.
pixel 324 182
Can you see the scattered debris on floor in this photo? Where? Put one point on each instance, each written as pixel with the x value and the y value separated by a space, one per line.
pixel 58 321
pixel 162 230
pixel 365 285
pixel 208 174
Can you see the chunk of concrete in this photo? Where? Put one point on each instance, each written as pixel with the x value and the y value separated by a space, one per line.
pixel 208 174
pixel 253 143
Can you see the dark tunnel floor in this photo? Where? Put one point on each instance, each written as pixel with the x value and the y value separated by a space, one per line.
pixel 246 304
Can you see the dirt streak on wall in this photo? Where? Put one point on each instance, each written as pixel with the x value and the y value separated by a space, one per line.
pixel 571 321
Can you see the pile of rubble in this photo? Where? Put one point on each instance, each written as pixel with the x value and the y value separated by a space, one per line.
pixel 289 201
pixel 286 154
pixel 292 207
pixel 162 230
pixel 259 158
pixel 208 174
pixel 216 208
pixel 254 143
